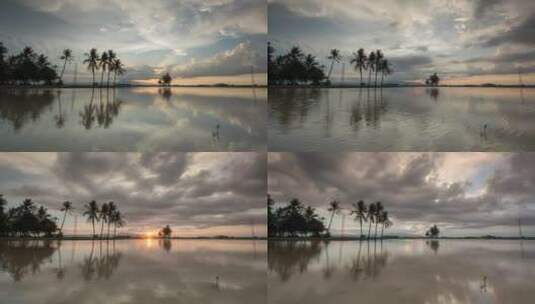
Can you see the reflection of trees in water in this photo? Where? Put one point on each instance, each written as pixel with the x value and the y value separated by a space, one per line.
pixel 104 112
pixel 290 258
pixel 287 258
pixel 293 104
pixel 22 106
pixel 102 265
pixel 369 111
pixel 434 93
pixel 166 93
pixel 165 244
pixel 24 257
pixel 433 245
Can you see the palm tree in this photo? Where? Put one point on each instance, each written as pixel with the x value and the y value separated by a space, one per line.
pixel 359 210
pixel 334 208
pixel 111 64
pixel 91 60
pixel 66 56
pixel 103 64
pixel 103 216
pixel 378 211
pixel 91 211
pixel 118 69
pixel 378 63
pixel 111 211
pixel 386 70
pixel 118 221
pixel 66 208
pixel 371 66
pixel 359 60
pixel 335 57
pixel 385 221
pixel 371 216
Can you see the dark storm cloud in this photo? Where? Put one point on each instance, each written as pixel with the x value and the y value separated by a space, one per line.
pixel 201 190
pixel 411 186
pixel 483 7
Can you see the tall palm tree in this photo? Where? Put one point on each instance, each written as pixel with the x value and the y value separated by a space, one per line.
pixel 371 66
pixel 66 207
pixel 92 59
pixel 359 210
pixel 386 222
pixel 103 64
pixel 378 63
pixel 371 217
pixel 111 211
pixel 67 57
pixel 334 208
pixel 118 221
pixel 335 57
pixel 118 69
pixel 103 216
pixel 359 60
pixel 111 64
pixel 378 211
pixel 386 69
pixel 91 212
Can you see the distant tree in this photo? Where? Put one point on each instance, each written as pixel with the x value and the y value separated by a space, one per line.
pixel 386 70
pixel 103 217
pixel 372 59
pixel 359 61
pixel 166 232
pixel 165 79
pixel 377 215
pixel 66 207
pixel 334 57
pixel 371 217
pixel 103 65
pixel 334 208
pixel 112 56
pixel 378 63
pixel 433 232
pixel 67 57
pixel 433 80
pixel 385 222
pixel 359 210
pixel 92 61
pixel 92 214
pixel 295 219
pixel 112 208
pixel 294 68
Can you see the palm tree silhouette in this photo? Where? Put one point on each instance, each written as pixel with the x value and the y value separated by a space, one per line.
pixel 111 64
pixel 386 69
pixel 334 208
pixel 359 210
pixel 118 221
pixel 67 57
pixel 118 69
pixel 66 208
pixel 371 217
pixel 112 208
pixel 385 221
pixel 378 63
pixel 335 57
pixel 91 60
pixel 371 66
pixel 91 212
pixel 378 211
pixel 103 216
pixel 103 64
pixel 359 60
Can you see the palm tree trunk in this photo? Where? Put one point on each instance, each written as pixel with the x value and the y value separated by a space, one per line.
pixel 382 230
pixel 331 69
pixel 115 231
pixel 93 78
pixel 108 229
pixel 369 229
pixel 382 79
pixel 370 78
pixel 63 222
pixel 108 83
pixel 361 83
pixel 375 236
pixel 102 78
pixel 93 222
pixel 330 222
pixel 360 236
pixel 376 77
pixel 102 229
pixel 63 70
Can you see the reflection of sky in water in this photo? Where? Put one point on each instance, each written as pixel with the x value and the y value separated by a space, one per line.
pixel 137 271
pixel 139 119
pixel 402 119
pixel 418 271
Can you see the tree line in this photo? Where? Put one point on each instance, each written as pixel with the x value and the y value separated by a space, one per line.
pixel 298 68
pixel 31 68
pixel 30 220
pixel 297 220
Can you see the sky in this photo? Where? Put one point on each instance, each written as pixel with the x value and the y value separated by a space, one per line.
pixel 464 41
pixel 465 194
pixel 197 194
pixel 197 41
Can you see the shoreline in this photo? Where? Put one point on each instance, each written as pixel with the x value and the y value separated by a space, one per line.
pixel 84 238
pixel 128 86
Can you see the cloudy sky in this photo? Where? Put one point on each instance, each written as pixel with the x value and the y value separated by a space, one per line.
pixel 198 194
pixel 198 41
pixel 464 193
pixel 465 41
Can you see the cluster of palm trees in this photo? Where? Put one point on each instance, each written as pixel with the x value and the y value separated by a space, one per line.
pixel 374 63
pixel 107 62
pixel 107 214
pixel 374 213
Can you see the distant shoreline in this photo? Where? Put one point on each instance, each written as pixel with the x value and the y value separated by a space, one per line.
pixel 397 238
pixel 84 238
pixel 398 86
pixel 127 86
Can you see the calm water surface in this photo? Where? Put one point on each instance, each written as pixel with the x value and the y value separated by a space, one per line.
pixel 411 271
pixel 135 119
pixel 133 271
pixel 402 119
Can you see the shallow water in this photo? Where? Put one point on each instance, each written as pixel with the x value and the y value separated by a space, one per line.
pixel 402 119
pixel 402 271
pixel 133 119
pixel 133 271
